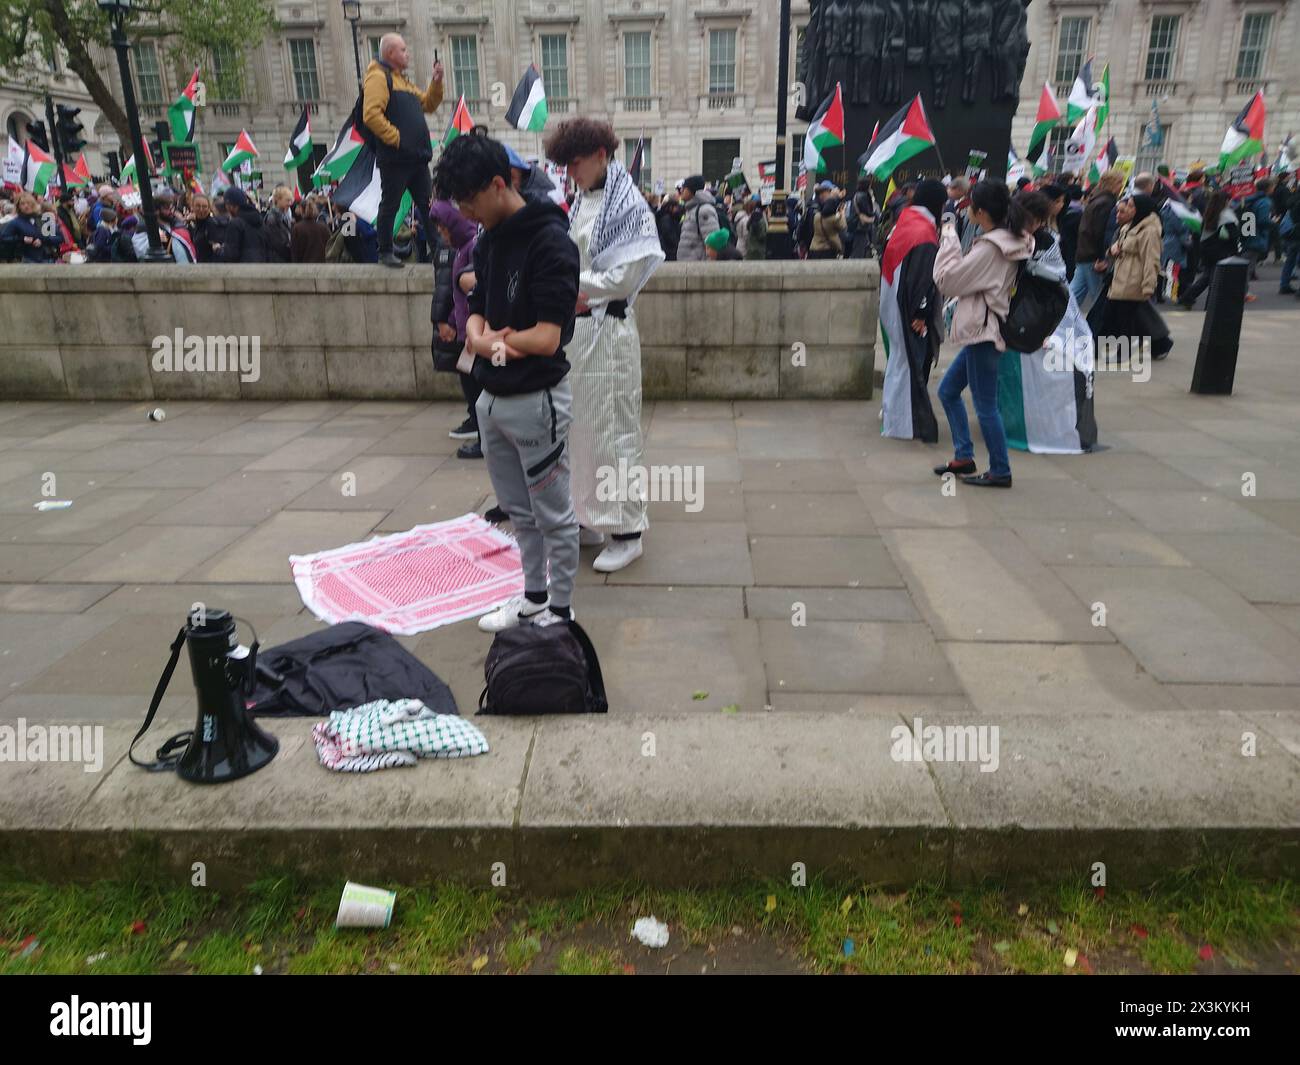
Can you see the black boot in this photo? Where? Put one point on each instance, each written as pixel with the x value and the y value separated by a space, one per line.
pixel 389 259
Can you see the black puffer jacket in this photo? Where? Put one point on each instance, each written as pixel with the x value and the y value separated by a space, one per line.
pixel 246 238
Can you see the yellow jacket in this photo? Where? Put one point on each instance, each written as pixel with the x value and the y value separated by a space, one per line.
pixel 375 100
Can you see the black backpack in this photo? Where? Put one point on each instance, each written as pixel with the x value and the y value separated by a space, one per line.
pixel 1038 303
pixel 358 118
pixel 551 669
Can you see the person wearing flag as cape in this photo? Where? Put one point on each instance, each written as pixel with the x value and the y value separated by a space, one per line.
pixel 618 245
pixel 393 110
pixel 910 314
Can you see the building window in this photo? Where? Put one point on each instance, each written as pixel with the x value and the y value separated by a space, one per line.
pixel 374 46
pixel 464 66
pixel 147 75
pixel 718 157
pixel 722 61
pixel 227 73
pixel 636 63
pixel 1162 47
pixel 629 153
pixel 302 61
pixel 800 36
pixel 1254 44
pixel 555 65
pixel 1056 141
pixel 1072 46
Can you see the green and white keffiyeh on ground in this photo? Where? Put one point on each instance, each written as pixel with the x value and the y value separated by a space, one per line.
pixel 384 734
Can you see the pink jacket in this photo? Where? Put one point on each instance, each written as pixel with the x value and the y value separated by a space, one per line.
pixel 981 279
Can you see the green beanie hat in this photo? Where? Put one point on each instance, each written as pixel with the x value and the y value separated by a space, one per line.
pixel 718 239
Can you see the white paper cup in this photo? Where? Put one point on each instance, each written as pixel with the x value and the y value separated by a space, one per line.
pixel 365 907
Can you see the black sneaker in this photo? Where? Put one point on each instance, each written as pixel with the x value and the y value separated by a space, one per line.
pixel 956 467
pixel 466 430
pixel 496 516
pixel 391 260
pixel 472 450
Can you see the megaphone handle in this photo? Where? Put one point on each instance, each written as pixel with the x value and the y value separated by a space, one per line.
pixel 250 676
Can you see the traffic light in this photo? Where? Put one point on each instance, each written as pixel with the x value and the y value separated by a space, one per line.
pixel 68 130
pixel 37 135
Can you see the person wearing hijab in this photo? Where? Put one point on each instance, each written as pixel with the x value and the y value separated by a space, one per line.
pixel 910 316
pixel 1127 309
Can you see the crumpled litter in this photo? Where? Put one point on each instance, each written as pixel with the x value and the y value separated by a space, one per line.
pixel 650 932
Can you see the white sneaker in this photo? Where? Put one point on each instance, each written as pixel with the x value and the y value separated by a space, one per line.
pixel 617 555
pixel 518 610
pixel 589 537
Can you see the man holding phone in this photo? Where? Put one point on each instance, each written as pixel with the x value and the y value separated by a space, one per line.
pixel 393 110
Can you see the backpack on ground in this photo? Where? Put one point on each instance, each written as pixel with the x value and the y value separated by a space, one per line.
pixel 1039 301
pixel 547 669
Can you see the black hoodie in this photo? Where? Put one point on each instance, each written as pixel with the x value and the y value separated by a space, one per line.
pixel 527 272
pixel 246 238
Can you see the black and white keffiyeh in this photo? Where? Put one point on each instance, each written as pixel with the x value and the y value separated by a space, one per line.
pixel 625 230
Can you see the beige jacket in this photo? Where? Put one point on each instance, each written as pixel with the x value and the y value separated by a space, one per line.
pixel 1137 266
pixel 981 280
pixel 826 232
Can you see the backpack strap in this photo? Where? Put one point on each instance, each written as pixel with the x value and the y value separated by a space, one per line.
pixel 170 752
pixel 594 676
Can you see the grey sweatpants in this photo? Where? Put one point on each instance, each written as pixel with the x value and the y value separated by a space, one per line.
pixel 524 440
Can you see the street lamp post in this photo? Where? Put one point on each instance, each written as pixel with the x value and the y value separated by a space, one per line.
pixel 117 11
pixel 352 12
pixel 779 240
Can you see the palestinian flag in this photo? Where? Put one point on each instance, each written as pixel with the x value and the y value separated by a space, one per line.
pixel 1245 137
pixel 1106 158
pixel 1015 168
pixel 181 113
pixel 1103 108
pixel 1184 211
pixel 1083 95
pixel 906 134
pixel 875 132
pixel 129 174
pixel 82 170
pixel 1048 117
pixel 907 292
pixel 1045 396
pixel 359 191
pixel 243 152
pixel 38 169
pixel 825 131
pixel 528 105
pixel 73 180
pixel 461 123
pixel 638 161
pixel 339 159
pixel 1082 142
pixel 300 147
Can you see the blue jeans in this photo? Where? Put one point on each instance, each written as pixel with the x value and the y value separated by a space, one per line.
pixel 1086 285
pixel 976 365
pixel 1288 264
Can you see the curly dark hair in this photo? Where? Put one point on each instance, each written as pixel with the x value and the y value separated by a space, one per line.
pixel 580 136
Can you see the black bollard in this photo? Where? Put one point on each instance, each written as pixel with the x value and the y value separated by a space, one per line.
pixel 1216 358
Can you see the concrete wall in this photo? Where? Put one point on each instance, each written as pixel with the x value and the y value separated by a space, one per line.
pixel 708 331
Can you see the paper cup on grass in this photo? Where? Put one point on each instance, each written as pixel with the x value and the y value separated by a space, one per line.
pixel 365 907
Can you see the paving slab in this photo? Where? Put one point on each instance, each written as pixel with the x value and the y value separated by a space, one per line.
pixel 830 604
pixel 826 561
pixel 1165 511
pixel 263 554
pixel 1121 542
pixel 51 598
pixel 698 552
pixel 150 553
pixel 1185 626
pixel 101 516
pixel 30 643
pixel 924 505
pixel 955 574
pixel 891 658
pixel 806 514
pixel 1263 567
pixel 1064 679
pixel 32 562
